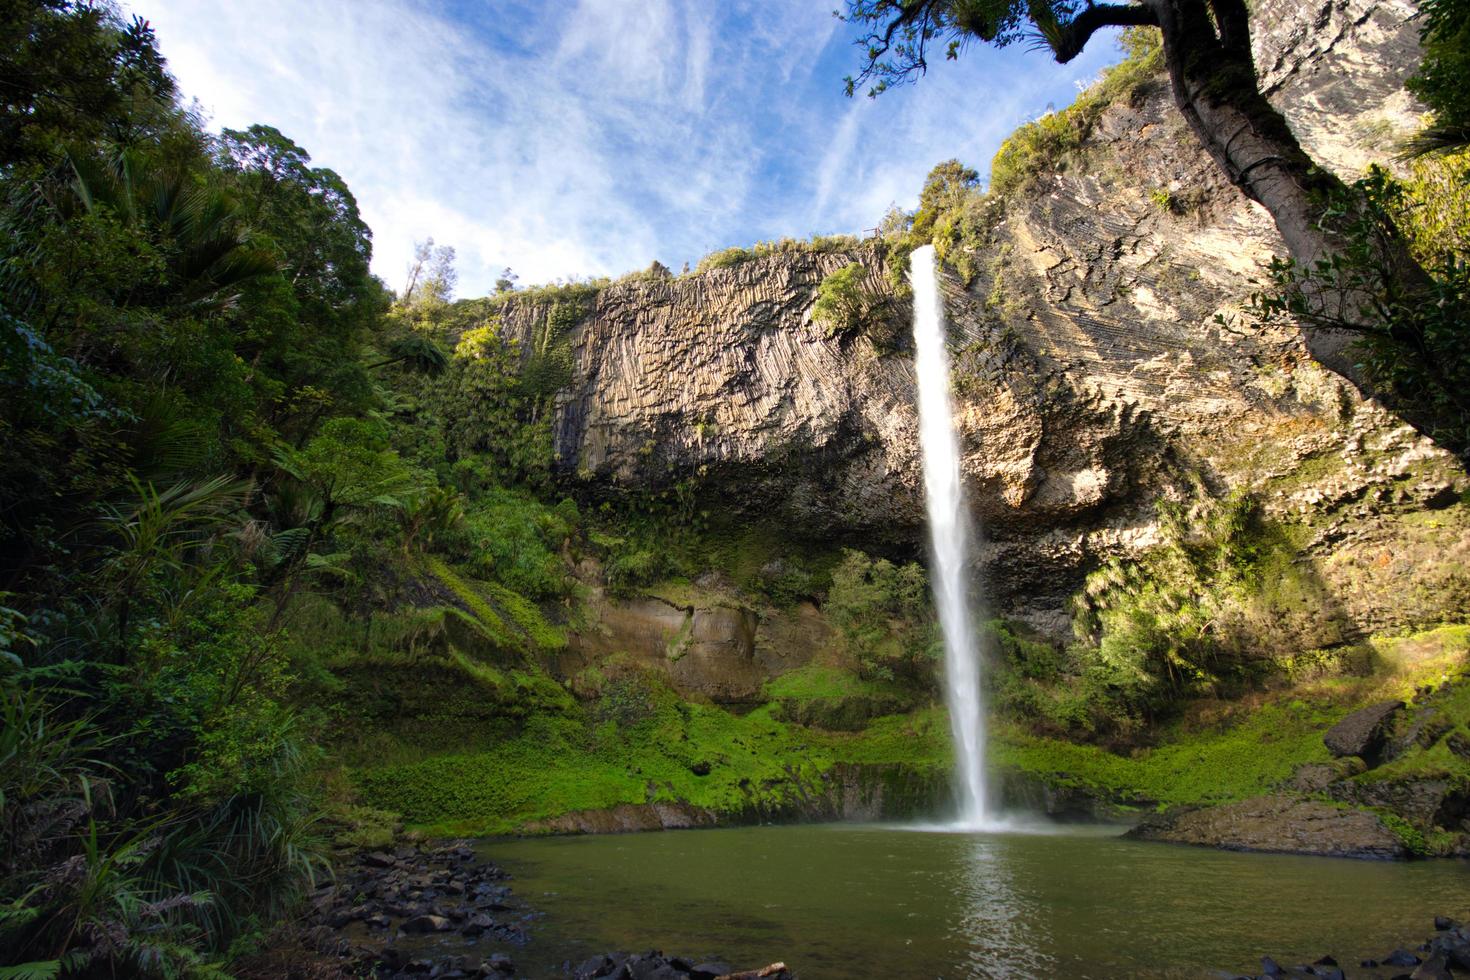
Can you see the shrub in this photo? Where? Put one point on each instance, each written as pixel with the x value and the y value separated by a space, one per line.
pixel 882 611
pixel 844 303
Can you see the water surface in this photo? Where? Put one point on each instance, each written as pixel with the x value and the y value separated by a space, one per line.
pixel 867 901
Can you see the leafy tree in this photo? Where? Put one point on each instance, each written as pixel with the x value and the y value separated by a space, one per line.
pixel 1207 53
pixel 946 188
pixel 431 275
pixel 295 328
pixel 1441 81
pixel 845 302
pixel 882 611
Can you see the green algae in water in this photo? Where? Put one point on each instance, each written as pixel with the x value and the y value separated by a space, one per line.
pixel 864 901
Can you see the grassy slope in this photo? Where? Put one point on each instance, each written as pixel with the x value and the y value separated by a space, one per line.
pixel 556 765
pixel 1254 745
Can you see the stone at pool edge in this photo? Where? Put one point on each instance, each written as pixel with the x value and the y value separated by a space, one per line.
pixel 1363 732
pixel 1279 824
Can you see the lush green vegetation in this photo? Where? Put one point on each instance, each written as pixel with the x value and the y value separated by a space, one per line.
pixel 1440 83
pixel 241 485
pixel 1411 337
pixel 273 539
pixel 637 742
pixel 1049 144
pixel 735 256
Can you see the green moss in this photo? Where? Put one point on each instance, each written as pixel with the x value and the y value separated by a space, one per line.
pixel 364 827
pixel 488 619
pixel 1412 838
pixel 529 618
pixel 808 683
pixel 557 764
pixel 1217 765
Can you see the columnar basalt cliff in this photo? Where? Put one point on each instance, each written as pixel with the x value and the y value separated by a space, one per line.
pixel 1094 374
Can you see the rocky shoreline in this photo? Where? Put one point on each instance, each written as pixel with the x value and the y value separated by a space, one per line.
pixel 1443 956
pixel 437 910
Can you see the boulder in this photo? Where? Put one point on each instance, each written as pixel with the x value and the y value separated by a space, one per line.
pixel 1314 777
pixel 1363 732
pixel 428 923
pixel 1281 824
pixel 1434 968
pixel 710 970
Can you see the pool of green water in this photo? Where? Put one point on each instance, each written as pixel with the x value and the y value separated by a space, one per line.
pixel 871 901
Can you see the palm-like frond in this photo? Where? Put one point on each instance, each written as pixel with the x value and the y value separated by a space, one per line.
pixel 1435 139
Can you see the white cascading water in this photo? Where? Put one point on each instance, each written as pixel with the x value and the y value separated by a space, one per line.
pixel 950 532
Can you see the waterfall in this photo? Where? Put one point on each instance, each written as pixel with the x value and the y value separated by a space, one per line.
pixel 950 531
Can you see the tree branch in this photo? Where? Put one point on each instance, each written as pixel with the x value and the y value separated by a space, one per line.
pixel 1073 36
pixel 1233 22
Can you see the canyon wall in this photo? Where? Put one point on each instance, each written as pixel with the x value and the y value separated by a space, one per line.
pixel 1101 366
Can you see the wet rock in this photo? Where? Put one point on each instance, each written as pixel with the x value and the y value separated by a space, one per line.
pixel 1314 777
pixel 776 971
pixel 377 859
pixel 593 967
pixel 1424 802
pixel 1401 957
pixel 1269 967
pixel 428 923
pixel 710 970
pixel 500 963
pixel 1434 968
pixel 1363 732
pixel 1282 824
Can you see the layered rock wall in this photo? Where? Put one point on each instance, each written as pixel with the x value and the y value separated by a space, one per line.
pixel 1094 375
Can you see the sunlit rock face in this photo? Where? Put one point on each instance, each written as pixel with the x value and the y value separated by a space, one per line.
pixel 1092 375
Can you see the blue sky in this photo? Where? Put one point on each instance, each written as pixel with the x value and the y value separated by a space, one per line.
pixel 589 137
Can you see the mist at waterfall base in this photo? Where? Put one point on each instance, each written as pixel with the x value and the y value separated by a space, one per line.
pixel 950 533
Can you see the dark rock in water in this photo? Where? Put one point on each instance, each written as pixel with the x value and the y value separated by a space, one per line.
pixel 592 968
pixel 1330 973
pixel 1325 961
pixel 1459 956
pixel 1370 964
pixel 437 923
pixel 1401 957
pixel 710 970
pixel 1434 968
pixel 500 963
pixel 1362 733
pixel 1443 923
pixel 1269 967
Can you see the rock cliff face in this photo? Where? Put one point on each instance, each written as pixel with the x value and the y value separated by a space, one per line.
pixel 1091 374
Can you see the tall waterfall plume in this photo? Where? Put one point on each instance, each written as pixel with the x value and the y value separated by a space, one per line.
pixel 950 536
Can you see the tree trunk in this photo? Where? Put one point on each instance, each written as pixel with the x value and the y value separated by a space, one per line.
pixel 1215 88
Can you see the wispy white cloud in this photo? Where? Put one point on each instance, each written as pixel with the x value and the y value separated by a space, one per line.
pixel 590 138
